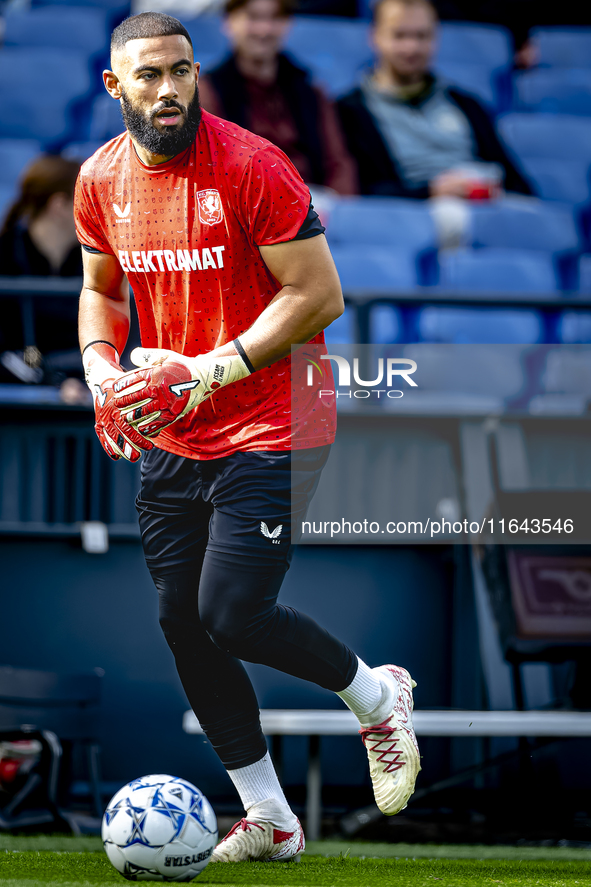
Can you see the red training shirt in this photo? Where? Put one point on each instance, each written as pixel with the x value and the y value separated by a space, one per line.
pixel 186 233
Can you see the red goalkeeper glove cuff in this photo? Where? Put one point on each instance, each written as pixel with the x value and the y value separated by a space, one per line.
pixel 117 437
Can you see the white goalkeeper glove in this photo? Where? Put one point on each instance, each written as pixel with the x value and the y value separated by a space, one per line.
pixel 101 369
pixel 171 384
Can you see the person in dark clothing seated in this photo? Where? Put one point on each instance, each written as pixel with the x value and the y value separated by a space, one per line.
pixel 38 239
pixel 261 89
pixel 411 134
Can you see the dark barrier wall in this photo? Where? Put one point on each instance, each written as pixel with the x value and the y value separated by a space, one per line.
pixel 69 611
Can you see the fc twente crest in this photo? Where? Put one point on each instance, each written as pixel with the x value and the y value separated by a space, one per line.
pixel 210 206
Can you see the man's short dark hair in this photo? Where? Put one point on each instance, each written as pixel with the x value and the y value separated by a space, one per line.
pixel 147 24
pixel 375 10
pixel 286 7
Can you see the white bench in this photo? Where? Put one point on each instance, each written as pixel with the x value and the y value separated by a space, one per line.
pixel 317 723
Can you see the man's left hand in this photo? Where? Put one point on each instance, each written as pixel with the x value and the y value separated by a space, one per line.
pixel 169 385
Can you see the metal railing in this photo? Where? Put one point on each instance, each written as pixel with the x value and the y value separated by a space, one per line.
pixel 29 290
pixel 54 475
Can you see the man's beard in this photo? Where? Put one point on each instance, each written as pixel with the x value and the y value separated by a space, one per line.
pixel 171 141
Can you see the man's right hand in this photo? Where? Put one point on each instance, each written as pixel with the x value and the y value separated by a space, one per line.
pixel 117 437
pixel 449 184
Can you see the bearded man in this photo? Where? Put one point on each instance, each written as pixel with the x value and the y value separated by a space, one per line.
pixel 214 229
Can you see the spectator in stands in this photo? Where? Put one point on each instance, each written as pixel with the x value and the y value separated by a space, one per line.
pixel 38 237
pixel 260 88
pixel 412 135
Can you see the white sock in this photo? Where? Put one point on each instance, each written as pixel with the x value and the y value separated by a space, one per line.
pixel 368 697
pixel 258 784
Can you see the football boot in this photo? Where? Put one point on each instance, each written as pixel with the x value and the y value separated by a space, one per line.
pixel 392 749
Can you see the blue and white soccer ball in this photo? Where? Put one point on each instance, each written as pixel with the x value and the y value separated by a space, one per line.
pixel 159 828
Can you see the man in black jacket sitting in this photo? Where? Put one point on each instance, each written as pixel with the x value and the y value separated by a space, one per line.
pixel 412 135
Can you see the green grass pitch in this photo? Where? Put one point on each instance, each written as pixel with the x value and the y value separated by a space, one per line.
pixel 63 861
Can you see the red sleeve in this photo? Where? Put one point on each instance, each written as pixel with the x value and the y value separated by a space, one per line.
pixel 275 198
pixel 88 215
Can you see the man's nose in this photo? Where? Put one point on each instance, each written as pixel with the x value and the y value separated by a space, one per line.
pixel 413 43
pixel 167 89
pixel 263 28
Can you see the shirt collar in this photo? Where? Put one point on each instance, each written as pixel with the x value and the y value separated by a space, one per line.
pixel 431 85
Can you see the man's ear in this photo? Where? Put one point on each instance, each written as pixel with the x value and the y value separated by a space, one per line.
pixel 112 84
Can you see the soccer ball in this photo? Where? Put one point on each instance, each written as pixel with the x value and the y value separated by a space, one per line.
pixel 159 828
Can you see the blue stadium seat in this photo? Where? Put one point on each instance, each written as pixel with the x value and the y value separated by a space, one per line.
pixel 527 223
pixel 575 328
pixel 524 224
pixel 479 325
pixel 554 152
pixel 375 269
pixel 335 50
pixel 58 27
pixel 555 91
pixel 486 45
pixel 585 274
pixel 105 119
pixel 553 179
pixel 563 47
pixel 116 9
pixel 342 330
pixel 400 224
pixel 80 151
pixel 39 90
pixel 210 44
pixel 547 135
pixel 456 324
pixel 385 324
pixel 382 220
pixel 497 270
pixel 15 155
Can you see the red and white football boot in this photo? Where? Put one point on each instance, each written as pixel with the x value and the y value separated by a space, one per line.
pixel 392 749
pixel 258 839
